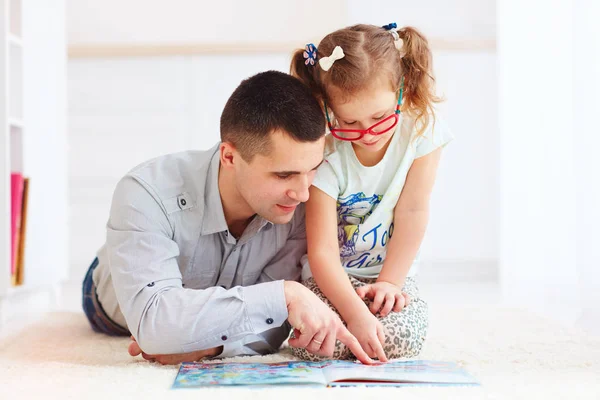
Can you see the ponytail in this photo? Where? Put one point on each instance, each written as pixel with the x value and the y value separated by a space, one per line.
pixel 419 83
pixel 306 73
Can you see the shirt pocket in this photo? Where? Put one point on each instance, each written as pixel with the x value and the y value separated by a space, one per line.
pixel 201 257
pixel 203 269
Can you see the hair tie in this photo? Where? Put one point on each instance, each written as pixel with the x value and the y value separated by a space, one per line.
pixel 398 42
pixel 310 54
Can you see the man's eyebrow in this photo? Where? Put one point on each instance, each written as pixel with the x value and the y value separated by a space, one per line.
pixel 297 172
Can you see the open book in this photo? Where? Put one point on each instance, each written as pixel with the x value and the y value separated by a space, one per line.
pixel 325 373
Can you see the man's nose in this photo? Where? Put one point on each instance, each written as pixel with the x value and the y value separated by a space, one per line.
pixel 300 192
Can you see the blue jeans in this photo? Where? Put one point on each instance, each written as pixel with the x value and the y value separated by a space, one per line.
pixel 94 312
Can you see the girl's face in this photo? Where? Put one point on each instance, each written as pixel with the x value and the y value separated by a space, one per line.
pixel 365 110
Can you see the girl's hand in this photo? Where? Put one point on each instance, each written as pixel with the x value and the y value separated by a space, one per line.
pixel 369 332
pixel 384 296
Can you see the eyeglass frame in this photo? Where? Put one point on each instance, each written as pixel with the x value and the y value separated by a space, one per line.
pixel 369 130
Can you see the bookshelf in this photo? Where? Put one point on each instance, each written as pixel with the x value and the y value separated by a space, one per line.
pixel 33 142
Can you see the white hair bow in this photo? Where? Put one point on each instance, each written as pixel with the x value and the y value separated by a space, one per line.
pixel 327 62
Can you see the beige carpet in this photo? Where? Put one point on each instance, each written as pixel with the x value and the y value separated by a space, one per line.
pixel 514 355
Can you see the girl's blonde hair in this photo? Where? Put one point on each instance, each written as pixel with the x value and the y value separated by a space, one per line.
pixel 369 52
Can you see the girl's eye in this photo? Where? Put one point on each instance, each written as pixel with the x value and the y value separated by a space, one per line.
pixel 349 123
pixel 380 117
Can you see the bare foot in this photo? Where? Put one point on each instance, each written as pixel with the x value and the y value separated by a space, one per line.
pixel 171 359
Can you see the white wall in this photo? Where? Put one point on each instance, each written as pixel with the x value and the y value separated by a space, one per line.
pixel 192 21
pixel 125 110
pixel 586 82
pixel 45 140
pixel 549 167
pixel 458 20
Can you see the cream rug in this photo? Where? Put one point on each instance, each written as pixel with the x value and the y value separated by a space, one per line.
pixel 514 354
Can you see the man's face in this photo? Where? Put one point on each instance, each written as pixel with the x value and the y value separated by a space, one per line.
pixel 274 184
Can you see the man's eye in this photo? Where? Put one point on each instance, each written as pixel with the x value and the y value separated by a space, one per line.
pixel 283 177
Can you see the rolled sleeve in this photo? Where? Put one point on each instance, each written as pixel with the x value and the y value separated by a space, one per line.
pixel 266 308
pixel 266 305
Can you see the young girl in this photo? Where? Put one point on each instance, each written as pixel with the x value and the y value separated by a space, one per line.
pixel 369 203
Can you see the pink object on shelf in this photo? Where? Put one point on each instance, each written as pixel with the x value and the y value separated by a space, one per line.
pixel 16 199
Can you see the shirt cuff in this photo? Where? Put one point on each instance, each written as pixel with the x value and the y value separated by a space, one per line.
pixel 234 349
pixel 265 305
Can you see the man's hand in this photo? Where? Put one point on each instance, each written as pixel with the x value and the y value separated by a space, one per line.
pixel 172 359
pixel 384 296
pixel 316 326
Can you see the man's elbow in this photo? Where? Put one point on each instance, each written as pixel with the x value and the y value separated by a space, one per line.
pixel 158 341
pixel 156 335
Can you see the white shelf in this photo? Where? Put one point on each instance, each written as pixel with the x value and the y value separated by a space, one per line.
pixel 16 149
pixel 15 123
pixel 15 40
pixel 17 290
pixel 33 124
pixel 15 81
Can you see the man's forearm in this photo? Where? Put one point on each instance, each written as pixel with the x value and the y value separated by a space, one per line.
pixel 184 321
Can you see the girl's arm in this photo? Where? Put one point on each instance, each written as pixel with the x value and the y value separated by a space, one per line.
pixel 324 255
pixel 410 219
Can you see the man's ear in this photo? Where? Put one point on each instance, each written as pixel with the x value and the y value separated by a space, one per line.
pixel 228 154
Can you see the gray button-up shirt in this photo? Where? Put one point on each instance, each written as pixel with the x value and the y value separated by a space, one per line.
pixel 173 274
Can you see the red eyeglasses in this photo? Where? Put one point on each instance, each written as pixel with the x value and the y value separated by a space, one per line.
pixel 379 128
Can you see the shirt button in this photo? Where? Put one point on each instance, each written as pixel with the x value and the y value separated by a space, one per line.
pixel 223 338
pixel 183 202
pixel 151 284
pixel 269 321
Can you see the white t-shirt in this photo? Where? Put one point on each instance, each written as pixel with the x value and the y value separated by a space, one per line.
pixel 366 196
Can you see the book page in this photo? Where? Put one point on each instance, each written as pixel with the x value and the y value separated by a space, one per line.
pixel 232 374
pixel 418 371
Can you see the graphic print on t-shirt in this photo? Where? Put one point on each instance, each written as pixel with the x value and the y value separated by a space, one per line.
pixel 352 211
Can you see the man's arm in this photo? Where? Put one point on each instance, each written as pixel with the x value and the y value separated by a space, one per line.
pixel 164 317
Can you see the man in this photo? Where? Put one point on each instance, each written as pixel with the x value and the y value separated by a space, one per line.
pixel 203 247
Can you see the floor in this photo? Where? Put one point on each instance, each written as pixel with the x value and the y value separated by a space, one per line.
pixel 514 353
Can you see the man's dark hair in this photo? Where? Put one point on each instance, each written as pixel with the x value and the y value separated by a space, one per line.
pixel 268 102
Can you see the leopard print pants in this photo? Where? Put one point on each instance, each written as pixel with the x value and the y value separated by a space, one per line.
pixel 405 331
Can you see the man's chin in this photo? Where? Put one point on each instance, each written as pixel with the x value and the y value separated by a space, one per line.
pixel 279 217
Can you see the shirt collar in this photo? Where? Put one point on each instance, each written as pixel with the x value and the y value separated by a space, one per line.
pixel 214 216
pixel 213 220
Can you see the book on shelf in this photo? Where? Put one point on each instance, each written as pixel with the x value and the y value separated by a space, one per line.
pixel 16 204
pixel 17 278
